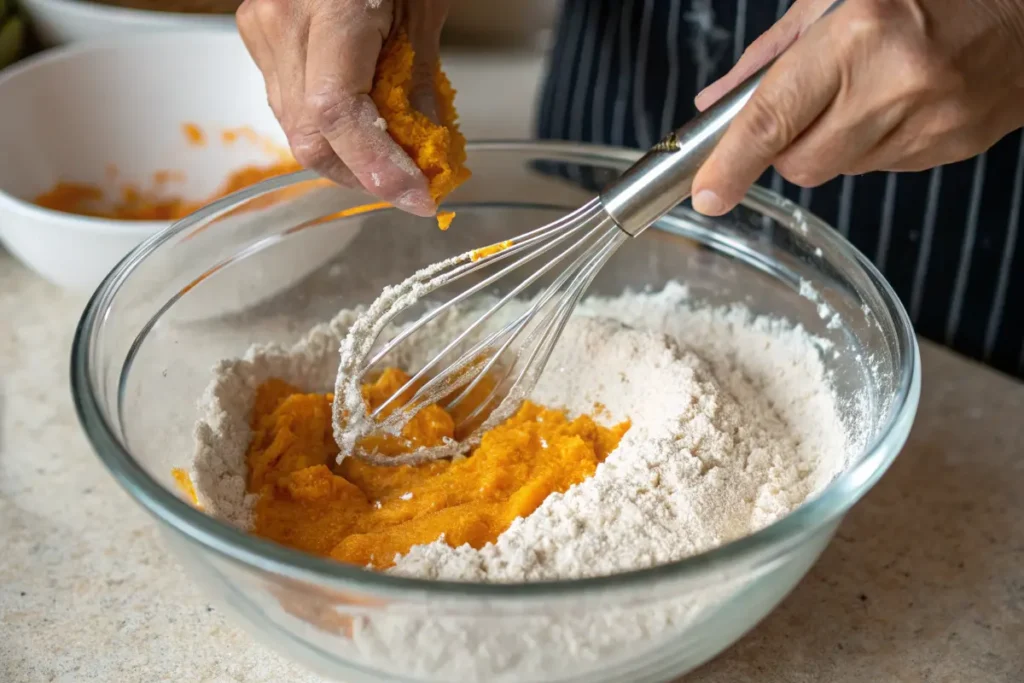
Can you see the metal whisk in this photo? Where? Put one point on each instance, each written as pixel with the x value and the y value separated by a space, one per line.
pixel 500 355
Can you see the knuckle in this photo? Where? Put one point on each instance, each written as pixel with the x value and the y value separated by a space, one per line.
pixel 310 150
pixel 955 116
pixel 331 108
pixel 867 19
pixel 244 13
pixel 921 69
pixel 266 13
pixel 765 125
pixel 800 172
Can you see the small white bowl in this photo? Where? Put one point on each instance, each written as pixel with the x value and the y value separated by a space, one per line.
pixel 69 21
pixel 71 113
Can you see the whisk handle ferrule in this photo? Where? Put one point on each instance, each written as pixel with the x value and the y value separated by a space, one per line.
pixel 663 177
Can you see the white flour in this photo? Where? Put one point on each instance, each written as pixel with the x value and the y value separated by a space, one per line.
pixel 734 425
pixel 716 450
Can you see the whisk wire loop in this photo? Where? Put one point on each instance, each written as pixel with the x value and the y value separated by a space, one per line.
pixel 453 378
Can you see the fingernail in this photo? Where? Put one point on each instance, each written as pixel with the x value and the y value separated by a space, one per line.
pixel 703 100
pixel 417 202
pixel 708 203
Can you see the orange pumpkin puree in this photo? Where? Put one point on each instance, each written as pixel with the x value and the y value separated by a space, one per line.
pixel 184 484
pixel 366 514
pixel 484 252
pixel 136 204
pixel 438 149
pixel 444 219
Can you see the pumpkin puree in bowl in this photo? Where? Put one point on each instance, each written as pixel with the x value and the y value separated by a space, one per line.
pixel 365 514
pixel 438 149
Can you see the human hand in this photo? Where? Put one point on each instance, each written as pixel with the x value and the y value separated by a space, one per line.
pixel 318 59
pixel 894 85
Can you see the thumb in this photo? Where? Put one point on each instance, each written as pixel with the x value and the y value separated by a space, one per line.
pixel 767 47
pixel 423 21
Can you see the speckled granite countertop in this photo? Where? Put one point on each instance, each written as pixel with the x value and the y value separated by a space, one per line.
pixel 925 581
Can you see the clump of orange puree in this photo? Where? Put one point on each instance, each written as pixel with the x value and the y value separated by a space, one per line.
pixel 365 514
pixel 484 252
pixel 184 484
pixel 438 149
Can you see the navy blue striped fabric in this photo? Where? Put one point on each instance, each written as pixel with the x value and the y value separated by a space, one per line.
pixel 625 72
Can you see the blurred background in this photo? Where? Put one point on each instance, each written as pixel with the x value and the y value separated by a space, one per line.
pixel 510 24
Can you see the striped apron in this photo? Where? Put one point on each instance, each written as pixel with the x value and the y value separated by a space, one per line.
pixel 624 72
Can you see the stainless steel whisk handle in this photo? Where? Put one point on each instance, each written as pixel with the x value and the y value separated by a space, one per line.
pixel 663 177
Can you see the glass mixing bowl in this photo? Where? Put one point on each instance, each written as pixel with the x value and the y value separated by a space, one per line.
pixel 268 263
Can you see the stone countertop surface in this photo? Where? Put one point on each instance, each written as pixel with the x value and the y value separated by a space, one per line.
pixel 924 582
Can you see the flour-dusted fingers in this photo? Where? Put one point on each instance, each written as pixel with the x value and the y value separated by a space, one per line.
pixel 341 61
pixel 796 90
pixel 275 33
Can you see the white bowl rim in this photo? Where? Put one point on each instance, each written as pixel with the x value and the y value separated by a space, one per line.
pixel 132 14
pixel 25 207
pixel 731 560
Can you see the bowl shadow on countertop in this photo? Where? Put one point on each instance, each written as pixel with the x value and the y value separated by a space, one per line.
pixel 924 579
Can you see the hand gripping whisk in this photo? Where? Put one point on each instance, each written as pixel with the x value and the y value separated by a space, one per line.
pixel 494 363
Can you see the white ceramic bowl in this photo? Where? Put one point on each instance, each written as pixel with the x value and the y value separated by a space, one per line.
pixel 69 21
pixel 68 114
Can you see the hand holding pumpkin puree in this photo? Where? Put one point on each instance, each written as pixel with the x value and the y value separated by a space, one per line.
pixel 437 149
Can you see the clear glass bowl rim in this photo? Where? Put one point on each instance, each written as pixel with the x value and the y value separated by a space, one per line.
pixel 733 558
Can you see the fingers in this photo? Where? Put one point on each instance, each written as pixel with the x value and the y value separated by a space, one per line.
pixel 275 33
pixel 792 96
pixel 318 59
pixel 250 28
pixel 768 45
pixel 340 63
